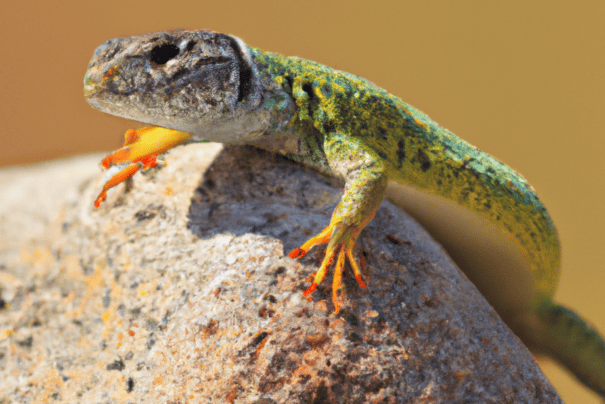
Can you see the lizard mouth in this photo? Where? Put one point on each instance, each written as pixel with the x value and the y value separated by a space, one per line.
pixel 93 84
pixel 99 98
pixel 90 87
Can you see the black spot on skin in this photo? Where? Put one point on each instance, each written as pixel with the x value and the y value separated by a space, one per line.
pixel 382 155
pixel 290 81
pixel 464 195
pixel 245 81
pixel 372 99
pixel 555 313
pixel 212 61
pixel 309 90
pixel 425 162
pixel 179 74
pixel 111 53
pixel 190 46
pixel 400 152
pixel 326 89
pixel 129 385
pixel 328 127
pixel 588 336
pixel 161 54
pixel 465 164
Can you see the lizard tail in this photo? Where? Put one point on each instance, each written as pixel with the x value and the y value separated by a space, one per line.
pixel 567 338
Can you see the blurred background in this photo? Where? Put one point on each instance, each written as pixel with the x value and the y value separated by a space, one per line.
pixel 524 81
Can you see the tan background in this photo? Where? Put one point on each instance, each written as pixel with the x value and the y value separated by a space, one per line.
pixel 524 82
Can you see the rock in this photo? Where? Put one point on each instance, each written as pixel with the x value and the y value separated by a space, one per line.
pixel 172 294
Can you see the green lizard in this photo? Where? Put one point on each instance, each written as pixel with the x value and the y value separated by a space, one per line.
pixel 215 87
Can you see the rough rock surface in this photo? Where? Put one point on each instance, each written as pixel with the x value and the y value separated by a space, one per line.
pixel 166 295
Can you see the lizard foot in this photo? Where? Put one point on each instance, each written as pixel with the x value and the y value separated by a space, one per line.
pixel 341 245
pixel 141 148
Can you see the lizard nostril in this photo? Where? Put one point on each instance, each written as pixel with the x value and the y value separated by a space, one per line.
pixel 161 54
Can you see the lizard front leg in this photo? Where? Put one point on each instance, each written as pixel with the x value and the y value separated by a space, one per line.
pixel 140 150
pixel 364 191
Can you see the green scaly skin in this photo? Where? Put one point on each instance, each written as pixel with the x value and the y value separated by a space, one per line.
pixel 344 125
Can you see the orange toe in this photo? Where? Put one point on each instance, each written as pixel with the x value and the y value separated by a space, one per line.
pixel 343 247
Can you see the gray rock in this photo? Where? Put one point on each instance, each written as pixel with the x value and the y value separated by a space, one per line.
pixel 172 294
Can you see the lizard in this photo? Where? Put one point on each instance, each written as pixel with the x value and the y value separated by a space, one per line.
pixel 202 85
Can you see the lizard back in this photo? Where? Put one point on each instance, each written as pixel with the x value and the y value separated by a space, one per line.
pixel 419 152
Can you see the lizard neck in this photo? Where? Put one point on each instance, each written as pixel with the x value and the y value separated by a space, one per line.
pixel 286 132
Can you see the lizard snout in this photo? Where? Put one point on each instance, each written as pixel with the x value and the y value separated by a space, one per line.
pixel 90 86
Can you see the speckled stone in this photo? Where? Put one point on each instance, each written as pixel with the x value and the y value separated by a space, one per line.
pixel 177 290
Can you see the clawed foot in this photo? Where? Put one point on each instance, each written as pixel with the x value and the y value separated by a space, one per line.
pixel 341 245
pixel 141 148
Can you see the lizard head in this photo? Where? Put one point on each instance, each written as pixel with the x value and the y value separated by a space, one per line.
pixel 199 82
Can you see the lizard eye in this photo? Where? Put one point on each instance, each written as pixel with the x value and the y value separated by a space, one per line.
pixel 161 54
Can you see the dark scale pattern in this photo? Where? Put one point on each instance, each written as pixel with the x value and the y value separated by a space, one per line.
pixel 420 152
